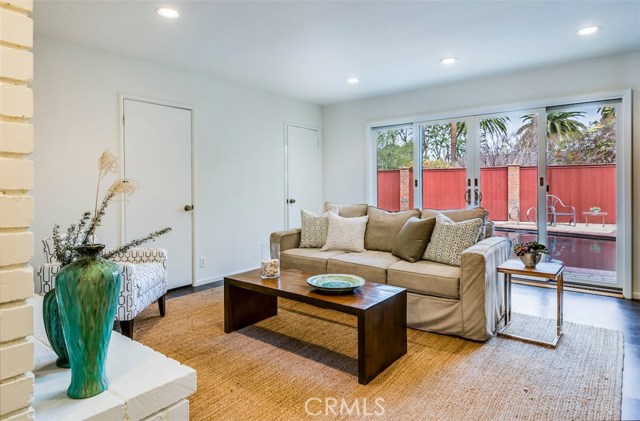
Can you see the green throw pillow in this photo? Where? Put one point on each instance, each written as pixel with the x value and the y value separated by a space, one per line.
pixel 412 240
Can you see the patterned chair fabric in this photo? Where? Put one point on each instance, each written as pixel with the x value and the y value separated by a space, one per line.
pixel 144 278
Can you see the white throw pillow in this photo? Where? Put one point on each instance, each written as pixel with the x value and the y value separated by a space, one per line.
pixel 313 229
pixel 346 234
pixel 450 239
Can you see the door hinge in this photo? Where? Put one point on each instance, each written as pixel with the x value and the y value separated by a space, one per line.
pixel 123 119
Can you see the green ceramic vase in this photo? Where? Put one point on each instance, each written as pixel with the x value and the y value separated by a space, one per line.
pixel 53 327
pixel 87 292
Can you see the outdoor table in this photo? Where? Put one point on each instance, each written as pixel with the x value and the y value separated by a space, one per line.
pixel 588 214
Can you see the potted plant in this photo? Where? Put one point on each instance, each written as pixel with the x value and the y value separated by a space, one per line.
pixel 530 252
pixel 595 209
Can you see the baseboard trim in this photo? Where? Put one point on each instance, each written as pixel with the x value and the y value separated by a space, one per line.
pixel 206 281
pixel 636 295
pixel 220 278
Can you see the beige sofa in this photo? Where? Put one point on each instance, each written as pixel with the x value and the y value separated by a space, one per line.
pixel 465 301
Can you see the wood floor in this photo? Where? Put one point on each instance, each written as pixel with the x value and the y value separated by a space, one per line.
pixel 589 309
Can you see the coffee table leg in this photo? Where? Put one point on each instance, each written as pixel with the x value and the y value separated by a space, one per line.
pixel 382 336
pixel 243 307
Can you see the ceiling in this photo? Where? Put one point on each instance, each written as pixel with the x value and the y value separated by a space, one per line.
pixel 307 49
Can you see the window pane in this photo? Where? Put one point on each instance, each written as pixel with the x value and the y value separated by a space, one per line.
pixel 444 161
pixel 394 156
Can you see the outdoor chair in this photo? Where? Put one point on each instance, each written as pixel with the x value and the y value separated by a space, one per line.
pixel 514 211
pixel 555 208
pixel 144 280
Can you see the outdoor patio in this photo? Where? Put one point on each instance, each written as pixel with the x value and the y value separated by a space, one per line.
pixel 595 228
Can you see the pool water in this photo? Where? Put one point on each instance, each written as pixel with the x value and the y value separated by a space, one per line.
pixel 579 254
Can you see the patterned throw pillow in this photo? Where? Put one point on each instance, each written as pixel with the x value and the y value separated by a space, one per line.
pixel 314 229
pixel 346 233
pixel 450 239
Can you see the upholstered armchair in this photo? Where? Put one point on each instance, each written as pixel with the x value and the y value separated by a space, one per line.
pixel 144 280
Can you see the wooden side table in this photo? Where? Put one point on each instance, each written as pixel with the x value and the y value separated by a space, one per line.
pixel 588 214
pixel 545 270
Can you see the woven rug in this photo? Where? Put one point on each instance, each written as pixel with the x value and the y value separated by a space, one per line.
pixel 302 364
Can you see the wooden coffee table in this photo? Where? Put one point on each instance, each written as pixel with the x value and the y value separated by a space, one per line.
pixel 381 310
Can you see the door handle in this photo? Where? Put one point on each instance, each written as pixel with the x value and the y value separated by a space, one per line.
pixel 188 208
pixel 467 196
pixel 291 201
pixel 477 197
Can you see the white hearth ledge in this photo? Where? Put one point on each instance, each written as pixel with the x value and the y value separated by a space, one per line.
pixel 143 384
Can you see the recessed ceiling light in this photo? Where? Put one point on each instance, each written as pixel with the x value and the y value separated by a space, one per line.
pixel 167 12
pixel 589 30
pixel 353 80
pixel 448 60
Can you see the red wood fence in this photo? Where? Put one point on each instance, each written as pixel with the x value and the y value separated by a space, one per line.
pixel 581 186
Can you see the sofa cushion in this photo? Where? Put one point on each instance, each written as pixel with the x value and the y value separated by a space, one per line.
pixel 425 277
pixel 313 229
pixel 346 234
pixel 383 227
pixel 346 211
pixel 412 240
pixel 450 239
pixel 309 260
pixel 371 265
pixel 460 215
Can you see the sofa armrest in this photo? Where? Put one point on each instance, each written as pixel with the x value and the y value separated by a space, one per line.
pixel 481 289
pixel 288 239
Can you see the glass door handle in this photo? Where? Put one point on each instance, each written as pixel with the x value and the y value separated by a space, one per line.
pixel 477 197
pixel 467 196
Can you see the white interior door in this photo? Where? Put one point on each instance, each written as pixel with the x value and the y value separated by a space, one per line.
pixel 304 172
pixel 157 154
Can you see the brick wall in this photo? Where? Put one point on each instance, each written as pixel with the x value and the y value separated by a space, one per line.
pixel 16 210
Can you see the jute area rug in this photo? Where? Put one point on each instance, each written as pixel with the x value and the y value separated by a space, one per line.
pixel 302 364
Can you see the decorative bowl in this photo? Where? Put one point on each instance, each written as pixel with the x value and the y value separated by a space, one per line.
pixel 336 283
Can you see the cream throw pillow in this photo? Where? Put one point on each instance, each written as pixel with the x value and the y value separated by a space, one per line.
pixel 450 239
pixel 313 229
pixel 346 234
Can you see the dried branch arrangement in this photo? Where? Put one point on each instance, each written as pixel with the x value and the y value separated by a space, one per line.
pixel 84 232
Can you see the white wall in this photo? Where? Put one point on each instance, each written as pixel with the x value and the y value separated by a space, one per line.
pixel 344 124
pixel 238 139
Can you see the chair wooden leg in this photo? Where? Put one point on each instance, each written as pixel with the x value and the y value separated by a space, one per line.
pixel 161 304
pixel 126 326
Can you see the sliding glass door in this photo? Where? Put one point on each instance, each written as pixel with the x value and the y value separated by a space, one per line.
pixel 581 158
pixel 549 174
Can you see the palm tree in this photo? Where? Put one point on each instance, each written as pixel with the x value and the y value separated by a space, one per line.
pixel 607 112
pixel 559 123
pixel 489 126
